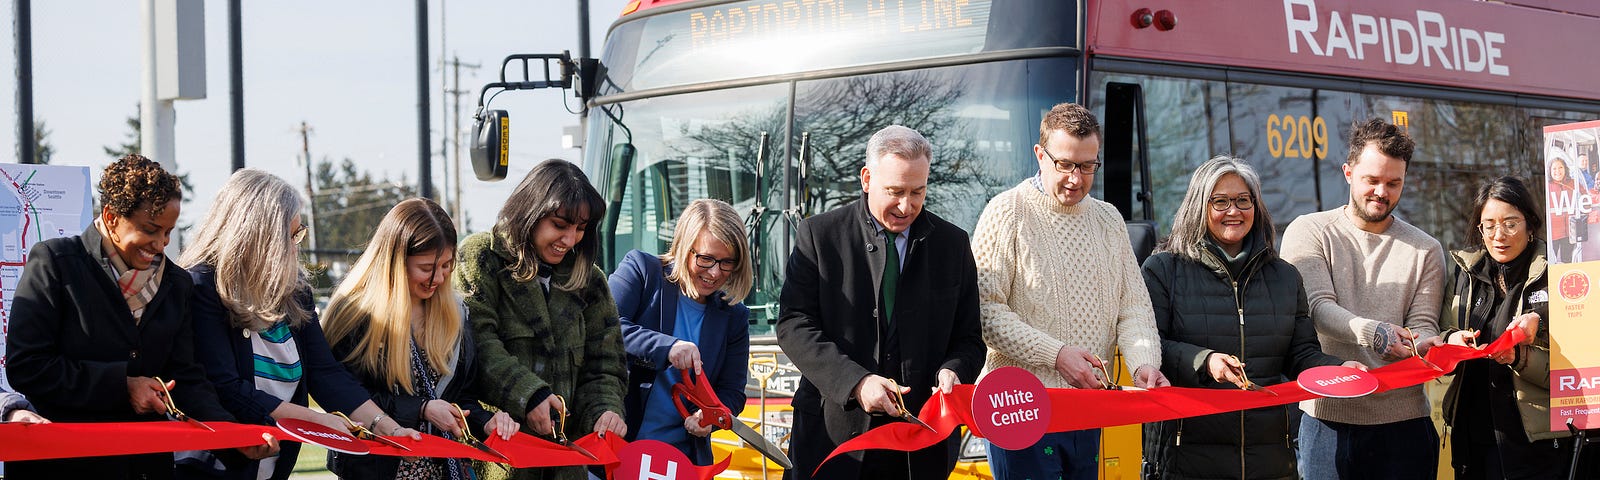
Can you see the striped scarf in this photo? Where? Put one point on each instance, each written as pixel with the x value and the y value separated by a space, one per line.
pixel 137 286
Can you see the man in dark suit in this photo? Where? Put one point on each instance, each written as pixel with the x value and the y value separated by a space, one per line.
pixel 878 296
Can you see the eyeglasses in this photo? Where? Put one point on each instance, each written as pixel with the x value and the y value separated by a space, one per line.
pixel 1507 227
pixel 1242 202
pixel 299 234
pixel 1087 168
pixel 707 261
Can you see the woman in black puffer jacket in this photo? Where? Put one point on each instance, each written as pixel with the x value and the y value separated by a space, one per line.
pixel 1226 304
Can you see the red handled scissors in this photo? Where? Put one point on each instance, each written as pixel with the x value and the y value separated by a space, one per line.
pixel 697 390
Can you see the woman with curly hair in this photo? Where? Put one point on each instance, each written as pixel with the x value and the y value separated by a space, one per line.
pixel 98 317
pixel 396 323
pixel 255 328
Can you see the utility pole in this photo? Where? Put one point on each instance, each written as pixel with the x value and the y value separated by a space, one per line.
pixel 455 137
pixel 311 193
pixel 444 117
pixel 24 51
pixel 424 152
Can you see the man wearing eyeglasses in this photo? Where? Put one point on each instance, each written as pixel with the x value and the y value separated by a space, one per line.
pixel 1375 284
pixel 880 301
pixel 1060 288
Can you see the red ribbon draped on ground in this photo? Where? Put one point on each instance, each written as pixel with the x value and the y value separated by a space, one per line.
pixel 945 412
pixel 21 441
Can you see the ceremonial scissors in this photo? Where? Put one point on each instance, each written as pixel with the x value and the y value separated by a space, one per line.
pixel 905 413
pixel 365 434
pixel 1412 344
pixel 172 408
pixel 697 390
pixel 560 432
pixel 1248 385
pixel 1106 380
pixel 470 440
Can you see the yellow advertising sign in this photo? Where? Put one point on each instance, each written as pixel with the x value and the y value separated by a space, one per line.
pixel 1572 223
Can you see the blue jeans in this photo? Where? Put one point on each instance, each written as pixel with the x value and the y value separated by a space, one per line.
pixel 1058 456
pixel 1408 449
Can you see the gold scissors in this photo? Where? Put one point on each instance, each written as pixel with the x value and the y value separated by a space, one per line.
pixel 1249 385
pixel 560 432
pixel 470 440
pixel 172 408
pixel 1412 345
pixel 900 404
pixel 1106 380
pixel 365 434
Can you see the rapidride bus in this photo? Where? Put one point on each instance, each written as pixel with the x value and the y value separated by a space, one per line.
pixel 768 104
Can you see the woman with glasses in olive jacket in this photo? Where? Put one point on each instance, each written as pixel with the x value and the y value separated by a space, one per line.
pixel 1497 408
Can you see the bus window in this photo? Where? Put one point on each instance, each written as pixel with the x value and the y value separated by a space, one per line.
pixel 1186 122
pixel 701 145
pixel 982 120
pixel 1294 137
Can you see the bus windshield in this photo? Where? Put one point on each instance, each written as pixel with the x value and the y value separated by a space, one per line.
pixel 981 118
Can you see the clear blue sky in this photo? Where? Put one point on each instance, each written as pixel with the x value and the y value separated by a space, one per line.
pixel 345 68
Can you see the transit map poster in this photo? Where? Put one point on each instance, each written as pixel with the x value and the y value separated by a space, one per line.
pixel 1572 227
pixel 37 203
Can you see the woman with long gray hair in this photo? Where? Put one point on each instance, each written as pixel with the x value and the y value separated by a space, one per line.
pixel 255 327
pixel 1230 313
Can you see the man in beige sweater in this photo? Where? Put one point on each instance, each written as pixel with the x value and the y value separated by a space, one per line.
pixel 1058 288
pixel 1375 284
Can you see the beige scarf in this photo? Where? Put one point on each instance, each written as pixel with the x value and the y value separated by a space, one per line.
pixel 137 286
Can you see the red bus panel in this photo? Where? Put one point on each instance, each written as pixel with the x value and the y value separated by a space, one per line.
pixel 1456 43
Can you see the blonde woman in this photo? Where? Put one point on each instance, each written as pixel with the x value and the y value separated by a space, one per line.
pixel 681 311
pixel 255 328
pixel 396 323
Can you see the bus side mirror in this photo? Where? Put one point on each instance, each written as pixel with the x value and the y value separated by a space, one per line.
pixel 491 144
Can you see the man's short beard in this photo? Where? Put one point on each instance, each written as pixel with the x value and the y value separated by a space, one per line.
pixel 1364 215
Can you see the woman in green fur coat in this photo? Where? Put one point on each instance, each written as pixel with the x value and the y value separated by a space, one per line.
pixel 541 312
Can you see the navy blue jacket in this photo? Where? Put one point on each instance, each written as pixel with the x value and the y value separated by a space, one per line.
pixel 647 306
pixel 225 351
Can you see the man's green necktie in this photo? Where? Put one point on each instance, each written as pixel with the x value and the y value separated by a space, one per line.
pixel 891 274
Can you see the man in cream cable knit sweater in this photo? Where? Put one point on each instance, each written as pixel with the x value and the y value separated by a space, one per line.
pixel 1059 287
pixel 1375 284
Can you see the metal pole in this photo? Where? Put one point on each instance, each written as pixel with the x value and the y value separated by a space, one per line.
pixel 444 117
pixel 311 193
pixel 236 83
pixel 583 28
pixel 24 46
pixel 424 154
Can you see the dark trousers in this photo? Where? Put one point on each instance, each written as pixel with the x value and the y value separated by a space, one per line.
pixel 1408 449
pixel 1064 455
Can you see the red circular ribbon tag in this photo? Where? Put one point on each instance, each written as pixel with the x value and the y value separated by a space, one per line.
pixel 316 434
pixel 1010 408
pixel 1337 381
pixel 653 459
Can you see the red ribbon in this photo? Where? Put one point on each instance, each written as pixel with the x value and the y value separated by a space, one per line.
pixel 26 441
pixel 945 412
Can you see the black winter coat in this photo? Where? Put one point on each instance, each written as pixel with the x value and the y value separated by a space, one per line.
pixel 1260 315
pixel 407 408
pixel 829 326
pixel 73 344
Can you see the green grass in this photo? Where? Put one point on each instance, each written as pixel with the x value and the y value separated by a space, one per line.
pixel 313 459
